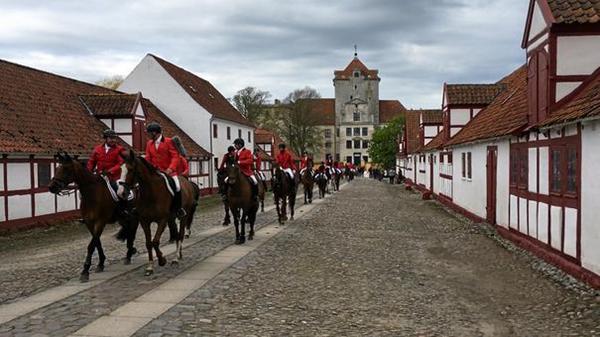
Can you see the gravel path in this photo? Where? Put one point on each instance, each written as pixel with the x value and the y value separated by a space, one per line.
pixel 375 260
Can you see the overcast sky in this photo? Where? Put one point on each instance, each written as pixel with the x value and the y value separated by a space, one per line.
pixel 274 45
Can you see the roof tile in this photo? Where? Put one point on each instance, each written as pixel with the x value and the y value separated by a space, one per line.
pixel 472 94
pixel 575 11
pixel 390 109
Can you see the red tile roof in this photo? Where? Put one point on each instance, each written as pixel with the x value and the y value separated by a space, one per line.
pixel 471 94
pixel 575 11
pixel 170 129
pixel 355 64
pixel 40 112
pixel 110 105
pixel 322 110
pixel 505 115
pixel 203 93
pixel 412 130
pixel 584 103
pixel 262 136
pixel 390 109
pixel 431 116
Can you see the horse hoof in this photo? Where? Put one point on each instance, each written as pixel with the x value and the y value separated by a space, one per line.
pixel 127 261
pixel 238 241
pixel 162 261
pixel 99 268
pixel 84 277
pixel 133 251
pixel 250 237
pixel 187 236
pixel 148 272
pixel 175 263
pixel 292 218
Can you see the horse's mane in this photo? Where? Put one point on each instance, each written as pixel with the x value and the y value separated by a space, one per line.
pixel 147 164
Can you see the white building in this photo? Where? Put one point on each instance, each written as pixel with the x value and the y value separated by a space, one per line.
pixel 193 104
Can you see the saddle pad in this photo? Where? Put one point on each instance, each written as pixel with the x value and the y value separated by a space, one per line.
pixel 170 182
pixel 113 188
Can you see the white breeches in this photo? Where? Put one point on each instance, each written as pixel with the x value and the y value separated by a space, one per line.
pixel 290 172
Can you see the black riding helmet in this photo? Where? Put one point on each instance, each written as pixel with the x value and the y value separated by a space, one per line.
pixel 282 146
pixel 153 127
pixel 230 148
pixel 108 133
pixel 239 142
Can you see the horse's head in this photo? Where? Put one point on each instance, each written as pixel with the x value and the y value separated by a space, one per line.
pixel 64 174
pixel 233 172
pixel 128 175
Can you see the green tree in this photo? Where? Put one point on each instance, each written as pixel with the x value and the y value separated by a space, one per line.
pixel 298 123
pixel 112 82
pixel 384 143
pixel 251 102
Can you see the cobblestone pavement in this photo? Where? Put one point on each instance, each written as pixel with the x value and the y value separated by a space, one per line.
pixel 375 260
pixel 42 258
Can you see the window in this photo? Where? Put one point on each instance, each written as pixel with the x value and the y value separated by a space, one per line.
pixel 365 131
pixel 348 159
pixel 356 132
pixel 337 132
pixel 327 133
pixel 215 131
pixel 468 165
pixel 555 170
pixel 249 137
pixel 228 133
pixel 464 164
pixel 563 169
pixel 328 145
pixel 514 167
pixel 571 170
pixel 201 167
pixel 348 144
pixel 523 167
pixel 365 144
pixel 349 132
pixel 356 116
pixel 357 144
pixel 356 73
pixel 351 97
pixel 43 173
pixel 239 133
pixel 216 160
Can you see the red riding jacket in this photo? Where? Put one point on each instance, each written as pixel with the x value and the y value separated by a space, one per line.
pixel 257 162
pixel 303 162
pixel 165 157
pixel 109 162
pixel 284 159
pixel 244 158
pixel 225 159
pixel 183 168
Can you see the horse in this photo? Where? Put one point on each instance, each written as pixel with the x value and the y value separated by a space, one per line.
pixel 239 197
pixel 97 209
pixel 308 182
pixel 221 175
pixel 284 191
pixel 154 204
pixel 322 184
pixel 349 174
pixel 336 179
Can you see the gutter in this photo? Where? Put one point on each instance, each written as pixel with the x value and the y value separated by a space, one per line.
pixel 570 122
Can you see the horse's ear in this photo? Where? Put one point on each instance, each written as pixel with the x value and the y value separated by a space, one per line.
pixel 59 157
pixel 66 157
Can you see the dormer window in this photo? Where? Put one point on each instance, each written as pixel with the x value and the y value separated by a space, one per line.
pixel 356 73
pixel 356 116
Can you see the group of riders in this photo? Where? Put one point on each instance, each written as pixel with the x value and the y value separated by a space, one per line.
pixel 168 155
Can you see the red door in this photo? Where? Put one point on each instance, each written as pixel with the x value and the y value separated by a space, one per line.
pixel 492 167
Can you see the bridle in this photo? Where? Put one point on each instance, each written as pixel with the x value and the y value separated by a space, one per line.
pixel 63 187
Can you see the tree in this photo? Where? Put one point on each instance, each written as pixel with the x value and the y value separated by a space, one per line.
pixel 384 143
pixel 250 102
pixel 298 123
pixel 112 82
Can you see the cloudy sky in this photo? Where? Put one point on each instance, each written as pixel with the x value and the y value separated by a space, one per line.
pixel 276 45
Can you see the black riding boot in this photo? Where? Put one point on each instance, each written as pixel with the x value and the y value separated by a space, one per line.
pixel 254 191
pixel 179 211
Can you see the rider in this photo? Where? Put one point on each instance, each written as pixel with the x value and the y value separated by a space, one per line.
pixel 162 154
pixel 304 162
pixel 284 160
pixel 183 167
pixel 320 171
pixel 245 161
pixel 257 164
pixel 228 158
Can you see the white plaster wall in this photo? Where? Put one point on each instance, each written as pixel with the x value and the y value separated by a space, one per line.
pixel 454 131
pixel 471 194
pixel 139 111
pixel 19 206
pixel 18 176
pixel 127 139
pixel 1 177
pixel 436 173
pixel 533 229
pixel 44 203
pixel 2 212
pixel 123 125
pixel 542 224
pixel 590 194
pixel 565 88
pixel 513 211
pixel 475 112
pixel 523 215
pixel 577 55
pixel 460 116
pixel 156 84
pixel 570 247
pixel 537 21
pixel 571 130
pixel 544 178
pixel 556 226
pixel 66 203
pixel 502 182
pixel 107 122
pixel 430 131
pixel 540 41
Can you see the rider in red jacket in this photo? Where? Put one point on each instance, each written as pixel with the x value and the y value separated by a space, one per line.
pixel 246 161
pixel 162 154
pixel 105 158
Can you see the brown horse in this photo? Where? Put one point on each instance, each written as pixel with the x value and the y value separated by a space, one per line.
pixel 221 175
pixel 97 209
pixel 321 181
pixel 284 191
pixel 154 204
pixel 308 182
pixel 239 197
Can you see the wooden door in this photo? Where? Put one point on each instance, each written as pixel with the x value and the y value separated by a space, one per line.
pixel 492 168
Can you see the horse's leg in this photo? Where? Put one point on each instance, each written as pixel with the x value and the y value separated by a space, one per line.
pixel 132 230
pixel 251 220
pixel 172 230
pixel 284 209
pixel 85 273
pixel 278 210
pixel 227 219
pixel 292 203
pixel 179 241
pixel 148 236
pixel 156 243
pixel 236 222
pixel 243 226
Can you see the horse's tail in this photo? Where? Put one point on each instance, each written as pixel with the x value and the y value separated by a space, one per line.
pixel 127 229
pixel 196 190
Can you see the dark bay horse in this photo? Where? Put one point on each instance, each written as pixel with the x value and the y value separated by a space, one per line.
pixel 308 182
pixel 97 209
pixel 239 197
pixel 322 184
pixel 153 204
pixel 336 179
pixel 284 191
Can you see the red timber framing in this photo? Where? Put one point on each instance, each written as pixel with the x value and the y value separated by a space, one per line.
pixel 33 219
pixel 564 187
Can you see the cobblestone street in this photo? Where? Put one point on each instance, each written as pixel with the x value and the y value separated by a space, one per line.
pixel 370 260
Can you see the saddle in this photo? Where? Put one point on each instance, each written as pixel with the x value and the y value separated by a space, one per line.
pixel 170 182
pixel 113 188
